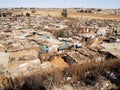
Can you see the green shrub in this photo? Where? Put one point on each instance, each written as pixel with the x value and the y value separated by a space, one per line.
pixel 64 13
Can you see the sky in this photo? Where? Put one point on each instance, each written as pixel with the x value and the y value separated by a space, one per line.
pixel 61 3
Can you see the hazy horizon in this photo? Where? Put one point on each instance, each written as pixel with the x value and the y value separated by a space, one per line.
pixel 60 4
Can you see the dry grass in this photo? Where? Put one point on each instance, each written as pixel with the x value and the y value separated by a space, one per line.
pixel 94 16
pixel 1 77
pixel 85 74
pixel 93 70
pixel 57 13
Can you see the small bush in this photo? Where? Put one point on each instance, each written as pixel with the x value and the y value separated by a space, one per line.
pixel 85 11
pixel 28 14
pixel 4 14
pixel 64 13
pixel 90 11
pixel 9 13
pixel 59 33
pixel 82 11
pixel 33 11
pixel 99 10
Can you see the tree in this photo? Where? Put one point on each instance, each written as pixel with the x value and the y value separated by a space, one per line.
pixel 64 13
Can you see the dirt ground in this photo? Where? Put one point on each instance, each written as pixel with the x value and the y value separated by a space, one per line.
pixel 57 13
pixel 59 63
pixel 1 86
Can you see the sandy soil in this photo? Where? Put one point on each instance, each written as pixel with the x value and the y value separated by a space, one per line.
pixel 59 62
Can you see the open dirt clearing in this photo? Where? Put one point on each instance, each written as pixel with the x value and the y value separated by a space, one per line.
pixel 57 13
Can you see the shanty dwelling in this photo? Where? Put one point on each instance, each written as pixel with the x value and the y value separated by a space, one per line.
pixel 101 31
pixel 118 30
pixel 118 40
pixel 2 47
pixel 53 44
pixel 14 46
pixel 82 29
pixel 44 34
pixel 104 31
pixel 30 54
pixel 78 45
pixel 73 57
pixel 47 47
pixel 63 47
pixel 90 30
pixel 67 43
pixel 55 26
pixel 25 68
pixel 4 61
pixel 111 50
pixel 87 36
pixel 18 27
pixel 107 55
pixel 111 40
pixel 46 42
pixel 49 44
pixel 109 32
